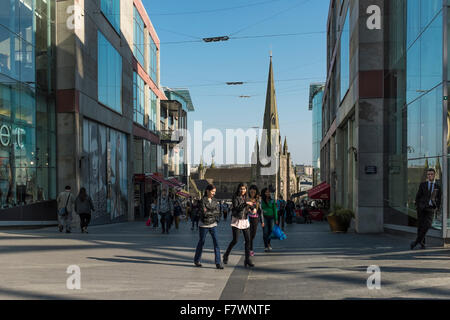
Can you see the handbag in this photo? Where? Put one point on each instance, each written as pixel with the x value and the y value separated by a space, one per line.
pixel 63 211
pixel 277 233
pixel 149 222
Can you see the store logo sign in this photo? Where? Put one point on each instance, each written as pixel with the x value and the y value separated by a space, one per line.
pixel 7 134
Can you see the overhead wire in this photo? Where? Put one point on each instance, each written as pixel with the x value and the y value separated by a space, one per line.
pixel 215 10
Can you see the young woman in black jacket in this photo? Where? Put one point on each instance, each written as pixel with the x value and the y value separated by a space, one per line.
pixel 255 214
pixel 209 216
pixel 239 222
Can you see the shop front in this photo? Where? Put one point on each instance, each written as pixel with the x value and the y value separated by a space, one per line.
pixel 27 114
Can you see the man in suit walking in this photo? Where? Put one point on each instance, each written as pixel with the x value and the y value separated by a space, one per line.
pixel 428 201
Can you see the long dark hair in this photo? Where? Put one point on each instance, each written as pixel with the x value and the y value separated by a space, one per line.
pixel 253 187
pixel 83 194
pixel 263 195
pixel 208 188
pixel 238 190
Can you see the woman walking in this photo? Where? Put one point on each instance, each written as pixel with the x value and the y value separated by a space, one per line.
pixel 254 215
pixel 239 222
pixel 84 206
pixel 269 209
pixel 209 216
pixel 164 208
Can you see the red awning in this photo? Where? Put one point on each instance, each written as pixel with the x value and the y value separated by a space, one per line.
pixel 176 182
pixel 162 180
pixel 320 192
pixel 183 194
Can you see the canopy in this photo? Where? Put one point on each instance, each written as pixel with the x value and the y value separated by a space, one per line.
pixel 183 194
pixel 176 182
pixel 320 192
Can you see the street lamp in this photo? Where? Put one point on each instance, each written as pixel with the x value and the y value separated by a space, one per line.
pixel 216 39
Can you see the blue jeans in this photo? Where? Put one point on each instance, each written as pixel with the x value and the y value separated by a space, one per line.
pixel 268 226
pixel 201 243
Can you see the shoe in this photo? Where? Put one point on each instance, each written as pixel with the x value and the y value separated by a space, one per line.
pixel 85 230
pixel 68 231
pixel 270 247
pixel 266 249
pixel 219 266
pixel 61 228
pixel 412 245
pixel 249 264
pixel 225 259
pixel 252 253
pixel 198 264
pixel 422 246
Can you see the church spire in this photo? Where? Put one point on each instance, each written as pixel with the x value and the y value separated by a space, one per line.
pixel 271 112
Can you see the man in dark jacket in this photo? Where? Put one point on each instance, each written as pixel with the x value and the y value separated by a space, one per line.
pixel 428 201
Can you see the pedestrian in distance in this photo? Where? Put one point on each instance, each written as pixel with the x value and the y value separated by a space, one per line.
pixel 154 214
pixel 65 202
pixel 254 215
pixel 209 217
pixel 428 202
pixel 177 212
pixel 281 208
pixel 84 207
pixel 164 208
pixel 270 216
pixel 240 223
pixel 226 209
pixel 195 214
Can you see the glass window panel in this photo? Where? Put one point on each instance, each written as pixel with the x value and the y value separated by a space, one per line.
pixel 139 43
pixel 345 57
pixel 111 10
pixel 109 74
pixel 431 123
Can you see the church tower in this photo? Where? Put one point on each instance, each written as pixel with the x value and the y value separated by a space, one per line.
pixel 268 175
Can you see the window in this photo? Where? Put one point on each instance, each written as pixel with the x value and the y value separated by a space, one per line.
pixel 153 61
pixel 111 10
pixel 345 57
pixel 139 40
pixel 152 111
pixel 138 99
pixel 109 75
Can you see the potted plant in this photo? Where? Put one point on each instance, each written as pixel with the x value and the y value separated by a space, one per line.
pixel 339 219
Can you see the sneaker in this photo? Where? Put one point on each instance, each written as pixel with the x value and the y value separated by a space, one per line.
pixel 266 249
pixel 252 253
pixel 270 247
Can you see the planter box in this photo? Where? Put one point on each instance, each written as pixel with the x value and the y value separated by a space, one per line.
pixel 336 225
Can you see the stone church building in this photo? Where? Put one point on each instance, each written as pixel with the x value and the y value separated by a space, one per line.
pixel 280 177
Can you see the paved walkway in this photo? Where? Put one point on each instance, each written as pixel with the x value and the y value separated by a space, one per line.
pixel 132 261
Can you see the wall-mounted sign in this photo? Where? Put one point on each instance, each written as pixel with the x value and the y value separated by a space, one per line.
pixel 8 135
pixel 371 170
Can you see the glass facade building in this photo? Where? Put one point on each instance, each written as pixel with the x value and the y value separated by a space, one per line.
pixel 27 107
pixel 416 97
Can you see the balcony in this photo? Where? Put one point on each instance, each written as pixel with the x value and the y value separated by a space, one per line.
pixel 170 137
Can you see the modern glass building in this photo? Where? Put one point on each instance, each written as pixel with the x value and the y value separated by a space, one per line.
pixel 385 115
pixel 417 106
pixel 27 111
pixel 315 105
